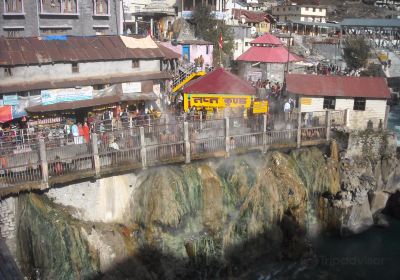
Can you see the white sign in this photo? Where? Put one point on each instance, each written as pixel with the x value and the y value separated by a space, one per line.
pixel 157 89
pixel 53 96
pixel 131 87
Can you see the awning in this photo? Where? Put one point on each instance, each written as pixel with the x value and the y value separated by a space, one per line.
pixel 74 104
pixel 93 102
pixel 8 113
pixel 84 81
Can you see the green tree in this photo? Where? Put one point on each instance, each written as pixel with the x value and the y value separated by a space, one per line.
pixel 209 29
pixel 356 51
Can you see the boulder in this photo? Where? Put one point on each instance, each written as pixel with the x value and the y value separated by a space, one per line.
pixel 359 219
pixel 377 201
pixel 393 205
pixel 381 220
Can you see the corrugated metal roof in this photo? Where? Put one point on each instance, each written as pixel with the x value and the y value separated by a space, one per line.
pixel 33 50
pixel 339 86
pixel 16 86
pixel 371 22
pixel 268 55
pixel 220 81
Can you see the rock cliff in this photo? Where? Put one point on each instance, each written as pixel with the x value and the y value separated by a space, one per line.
pixel 215 215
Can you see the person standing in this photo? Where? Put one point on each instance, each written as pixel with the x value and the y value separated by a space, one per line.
pixel 86 132
pixel 286 110
pixel 80 132
pixel 75 133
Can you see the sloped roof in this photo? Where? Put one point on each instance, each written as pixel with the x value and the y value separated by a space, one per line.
pixel 268 55
pixel 168 53
pixel 371 22
pixel 220 81
pixel 37 50
pixel 339 86
pixel 267 39
pixel 251 16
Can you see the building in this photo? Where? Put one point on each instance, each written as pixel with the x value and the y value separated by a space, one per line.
pixel 77 73
pixel 218 89
pixel 186 7
pixel 365 98
pixel 258 21
pixel 249 5
pixel 188 46
pixel 241 38
pixel 154 17
pixel 308 13
pixel 23 18
pixel 267 58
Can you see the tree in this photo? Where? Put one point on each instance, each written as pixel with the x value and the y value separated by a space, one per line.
pixel 356 51
pixel 209 29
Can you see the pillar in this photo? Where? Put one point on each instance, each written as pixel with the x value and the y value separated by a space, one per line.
pixel 385 122
pixel 96 158
pixel 43 161
pixel 347 117
pixel 136 26
pixel 299 125
pixel 143 147
pixel 151 27
pixel 186 141
pixel 227 140
pixel 328 125
pixel 264 131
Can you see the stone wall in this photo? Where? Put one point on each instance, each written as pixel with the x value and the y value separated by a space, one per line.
pixel 105 200
pixel 8 222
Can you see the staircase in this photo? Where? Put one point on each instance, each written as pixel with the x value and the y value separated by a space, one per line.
pixel 186 74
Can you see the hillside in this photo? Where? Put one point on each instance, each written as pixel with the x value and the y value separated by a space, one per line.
pixel 339 9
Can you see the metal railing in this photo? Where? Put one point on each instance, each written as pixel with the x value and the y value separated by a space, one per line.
pixel 45 160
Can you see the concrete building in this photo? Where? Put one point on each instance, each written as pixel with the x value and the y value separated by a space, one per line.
pixel 365 98
pixel 46 75
pixel 259 22
pixel 23 18
pixel 266 58
pixel 307 13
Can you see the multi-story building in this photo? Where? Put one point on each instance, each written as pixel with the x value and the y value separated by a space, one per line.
pixel 23 18
pixel 42 75
pixel 307 13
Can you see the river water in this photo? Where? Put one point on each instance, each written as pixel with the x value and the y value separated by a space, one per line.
pixel 394 121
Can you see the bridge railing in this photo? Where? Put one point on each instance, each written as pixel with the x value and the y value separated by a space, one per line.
pixel 136 147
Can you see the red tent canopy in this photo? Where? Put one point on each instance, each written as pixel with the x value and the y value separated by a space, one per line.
pixel 220 81
pixel 268 55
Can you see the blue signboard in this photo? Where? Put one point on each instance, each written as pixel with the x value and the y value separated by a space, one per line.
pixel 10 99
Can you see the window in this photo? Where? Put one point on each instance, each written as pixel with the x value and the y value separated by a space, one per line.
pixel 53 31
pixel 236 46
pixel 207 49
pixel 13 6
pixel 306 9
pixel 13 33
pixel 7 72
pixel 135 63
pixel 359 104
pixel 137 9
pixel 58 7
pixel 75 67
pixel 313 9
pixel 101 7
pixel 329 103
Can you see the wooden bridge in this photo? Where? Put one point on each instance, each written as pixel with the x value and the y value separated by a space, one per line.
pixel 43 163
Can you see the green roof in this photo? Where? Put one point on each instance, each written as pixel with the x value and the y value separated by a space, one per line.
pixel 369 22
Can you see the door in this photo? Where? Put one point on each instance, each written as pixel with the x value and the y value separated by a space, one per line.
pixel 186 52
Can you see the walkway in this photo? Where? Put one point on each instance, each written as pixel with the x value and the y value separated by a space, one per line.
pixel 60 161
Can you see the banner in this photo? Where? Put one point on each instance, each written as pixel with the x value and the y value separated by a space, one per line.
pixel 8 113
pixel 131 87
pixel 260 107
pixel 216 101
pixel 10 99
pixel 53 96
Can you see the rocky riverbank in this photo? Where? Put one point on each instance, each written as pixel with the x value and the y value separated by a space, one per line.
pixel 208 219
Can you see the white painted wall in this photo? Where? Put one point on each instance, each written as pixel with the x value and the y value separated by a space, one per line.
pixel 374 110
pixel 106 200
pixel 57 71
